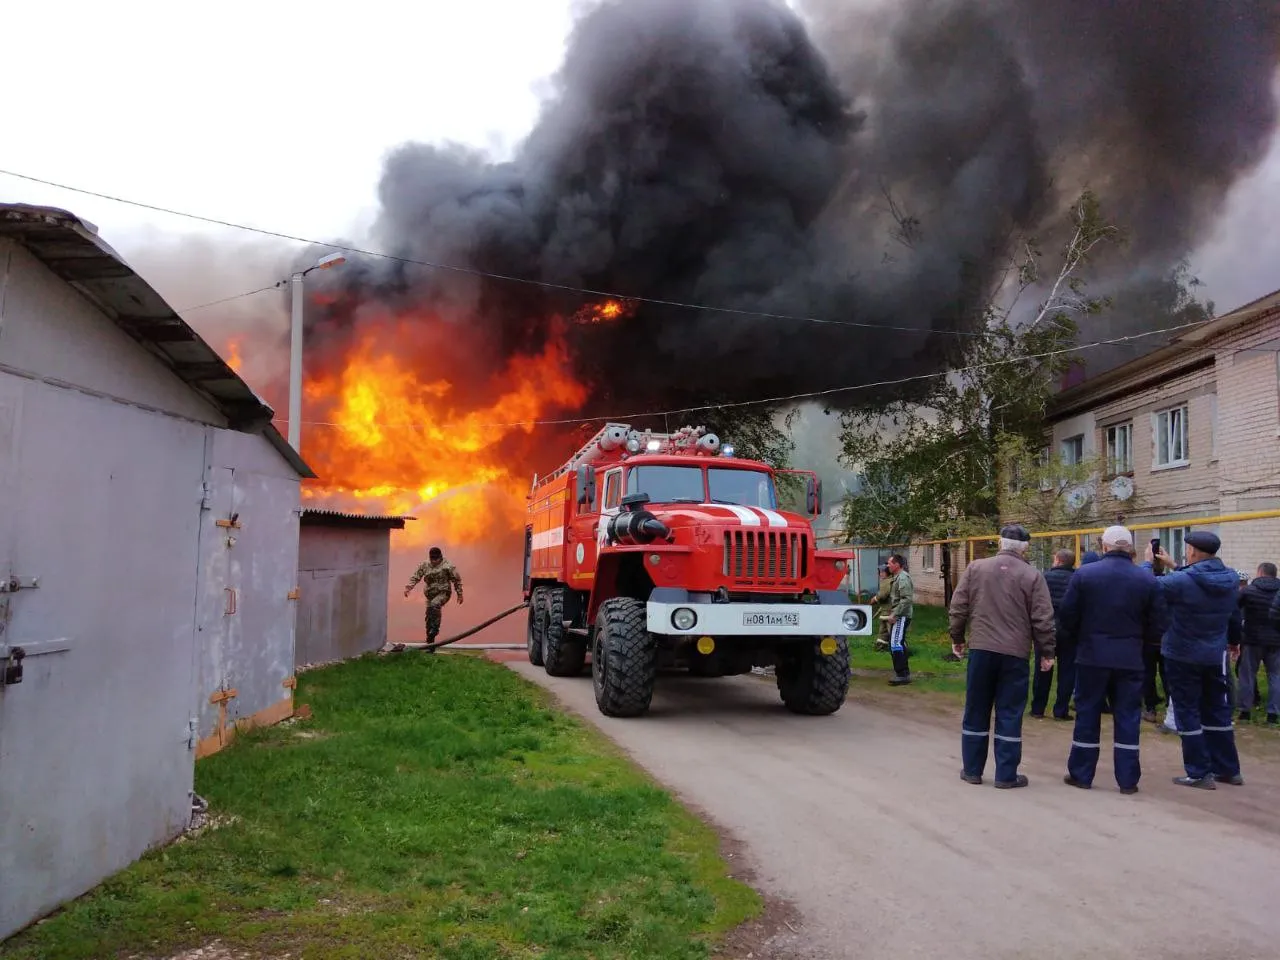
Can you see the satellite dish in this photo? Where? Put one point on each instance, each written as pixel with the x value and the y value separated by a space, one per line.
pixel 1122 488
pixel 1078 497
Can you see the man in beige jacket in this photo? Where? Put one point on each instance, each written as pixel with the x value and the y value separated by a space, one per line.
pixel 1004 604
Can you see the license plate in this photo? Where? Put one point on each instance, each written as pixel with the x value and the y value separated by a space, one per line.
pixel 771 619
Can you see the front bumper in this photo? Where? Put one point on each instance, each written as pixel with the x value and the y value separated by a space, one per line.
pixel 760 619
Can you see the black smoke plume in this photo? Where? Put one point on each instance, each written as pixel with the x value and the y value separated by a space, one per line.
pixel 715 152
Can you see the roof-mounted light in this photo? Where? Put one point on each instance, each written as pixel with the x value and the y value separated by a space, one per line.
pixel 653 446
pixel 726 450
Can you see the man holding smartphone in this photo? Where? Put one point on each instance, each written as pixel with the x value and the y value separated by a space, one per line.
pixel 1201 599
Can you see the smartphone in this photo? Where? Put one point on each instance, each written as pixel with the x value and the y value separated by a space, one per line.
pixel 1156 566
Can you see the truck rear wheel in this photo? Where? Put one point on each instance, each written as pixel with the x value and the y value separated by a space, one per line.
pixel 533 630
pixel 624 659
pixel 563 655
pixel 812 682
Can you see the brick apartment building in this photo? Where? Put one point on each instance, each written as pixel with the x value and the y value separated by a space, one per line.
pixel 1187 432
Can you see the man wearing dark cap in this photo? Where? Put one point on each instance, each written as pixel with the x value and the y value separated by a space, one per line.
pixel 1004 604
pixel 1202 600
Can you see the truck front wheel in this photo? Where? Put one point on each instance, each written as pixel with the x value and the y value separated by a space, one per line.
pixel 533 632
pixel 563 654
pixel 812 682
pixel 624 659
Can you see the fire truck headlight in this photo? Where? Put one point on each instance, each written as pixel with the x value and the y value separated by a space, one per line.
pixel 633 445
pixel 726 450
pixel 653 446
pixel 684 619
pixel 854 619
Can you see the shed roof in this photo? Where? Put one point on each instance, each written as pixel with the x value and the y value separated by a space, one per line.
pixel 320 517
pixel 73 251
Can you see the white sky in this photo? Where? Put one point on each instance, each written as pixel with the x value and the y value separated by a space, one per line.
pixel 278 114
pixel 275 114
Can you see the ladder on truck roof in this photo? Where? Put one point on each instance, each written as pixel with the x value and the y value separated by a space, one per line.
pixel 584 455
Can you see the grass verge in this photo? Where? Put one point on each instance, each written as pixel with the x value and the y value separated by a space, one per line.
pixel 435 807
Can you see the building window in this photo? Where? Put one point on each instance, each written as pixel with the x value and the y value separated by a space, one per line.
pixel 1073 450
pixel 1171 437
pixel 1173 542
pixel 1213 426
pixel 1120 449
pixel 928 556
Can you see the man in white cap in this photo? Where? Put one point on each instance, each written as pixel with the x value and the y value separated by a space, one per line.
pixel 1111 610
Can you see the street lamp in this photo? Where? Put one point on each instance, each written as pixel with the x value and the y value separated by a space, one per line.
pixel 295 346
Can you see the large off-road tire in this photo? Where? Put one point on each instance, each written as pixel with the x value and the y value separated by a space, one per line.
pixel 624 659
pixel 812 682
pixel 563 655
pixel 533 631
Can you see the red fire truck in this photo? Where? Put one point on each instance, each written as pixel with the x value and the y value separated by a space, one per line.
pixel 655 551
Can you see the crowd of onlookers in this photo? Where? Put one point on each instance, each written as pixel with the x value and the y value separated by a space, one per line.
pixel 1125 636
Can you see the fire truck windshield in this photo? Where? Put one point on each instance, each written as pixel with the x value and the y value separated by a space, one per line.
pixel 670 484
pixel 747 488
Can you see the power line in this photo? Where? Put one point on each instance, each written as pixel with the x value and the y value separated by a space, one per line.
pixel 790 398
pixel 472 271
pixel 238 296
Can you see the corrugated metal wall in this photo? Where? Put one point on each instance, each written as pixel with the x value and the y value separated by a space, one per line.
pixel 343 575
pixel 103 454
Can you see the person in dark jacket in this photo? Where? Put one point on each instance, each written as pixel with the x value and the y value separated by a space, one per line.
pixel 1090 556
pixel 1057 577
pixel 1202 600
pixel 1261 646
pixel 1111 610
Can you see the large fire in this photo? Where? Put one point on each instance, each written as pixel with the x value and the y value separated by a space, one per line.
pixel 388 430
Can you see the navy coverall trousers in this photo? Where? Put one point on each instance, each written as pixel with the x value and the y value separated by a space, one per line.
pixel 1092 685
pixel 1202 711
pixel 1000 681
pixel 1043 680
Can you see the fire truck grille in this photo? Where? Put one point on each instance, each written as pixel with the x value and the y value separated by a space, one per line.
pixel 766 557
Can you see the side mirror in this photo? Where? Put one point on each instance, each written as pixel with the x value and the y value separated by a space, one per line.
pixel 813 496
pixel 585 485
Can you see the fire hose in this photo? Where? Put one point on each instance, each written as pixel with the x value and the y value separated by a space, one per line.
pixel 401 647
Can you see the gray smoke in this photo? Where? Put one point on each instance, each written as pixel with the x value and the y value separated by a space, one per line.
pixel 713 152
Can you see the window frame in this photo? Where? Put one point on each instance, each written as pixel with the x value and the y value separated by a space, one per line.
pixel 929 557
pixel 1173 542
pixel 1157 433
pixel 612 481
pixel 1076 443
pixel 1109 434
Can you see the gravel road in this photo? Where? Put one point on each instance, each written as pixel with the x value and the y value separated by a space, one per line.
pixel 860 823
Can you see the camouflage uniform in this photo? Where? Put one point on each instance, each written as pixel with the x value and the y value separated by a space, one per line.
pixel 438 580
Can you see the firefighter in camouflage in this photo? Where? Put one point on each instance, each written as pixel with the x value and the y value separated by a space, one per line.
pixel 439 580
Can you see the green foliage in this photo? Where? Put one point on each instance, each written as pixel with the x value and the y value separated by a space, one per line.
pixel 753 433
pixel 930 464
pixel 435 806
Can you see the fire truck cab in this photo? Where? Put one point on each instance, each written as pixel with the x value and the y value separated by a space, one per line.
pixel 665 551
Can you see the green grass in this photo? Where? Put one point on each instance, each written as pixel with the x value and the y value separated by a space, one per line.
pixel 435 807
pixel 929 643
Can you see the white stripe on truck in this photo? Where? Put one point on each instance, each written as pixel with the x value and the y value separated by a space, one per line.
pixel 548 538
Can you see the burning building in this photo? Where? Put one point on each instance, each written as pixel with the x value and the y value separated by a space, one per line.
pixel 730 201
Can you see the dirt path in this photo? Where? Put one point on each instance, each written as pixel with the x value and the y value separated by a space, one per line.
pixel 860 821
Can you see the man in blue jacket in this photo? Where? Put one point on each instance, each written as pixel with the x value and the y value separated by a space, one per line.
pixel 1202 600
pixel 1110 610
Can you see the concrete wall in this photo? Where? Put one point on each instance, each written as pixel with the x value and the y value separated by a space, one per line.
pixel 244 612
pixel 104 455
pixel 343 575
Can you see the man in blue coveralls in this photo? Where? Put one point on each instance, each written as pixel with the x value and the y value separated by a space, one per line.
pixel 1202 599
pixel 1111 609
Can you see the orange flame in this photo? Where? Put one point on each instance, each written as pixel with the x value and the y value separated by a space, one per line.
pixel 387 433
pixel 606 312
pixel 234 360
